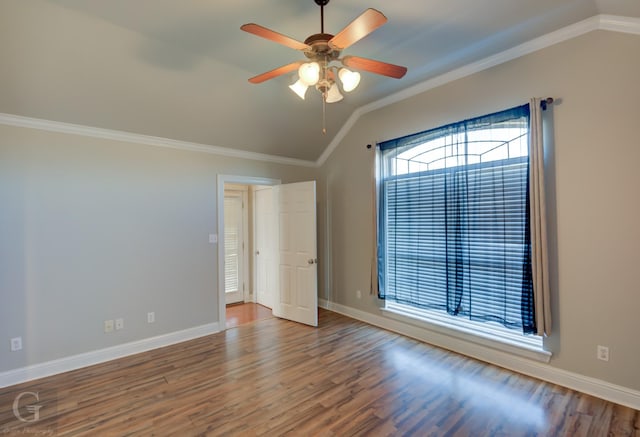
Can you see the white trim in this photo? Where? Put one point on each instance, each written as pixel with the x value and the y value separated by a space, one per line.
pixel 585 384
pixel 222 180
pixel 476 332
pixel 73 362
pixel 337 139
pixel 616 23
pixel 612 23
pixel 597 22
pixel 109 134
pixel 518 51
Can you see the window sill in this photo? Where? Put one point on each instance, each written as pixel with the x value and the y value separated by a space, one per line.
pixel 527 347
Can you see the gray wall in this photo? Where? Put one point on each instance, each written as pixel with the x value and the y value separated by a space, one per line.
pixel 594 214
pixel 97 229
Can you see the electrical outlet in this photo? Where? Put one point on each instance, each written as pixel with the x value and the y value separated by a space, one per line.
pixel 108 326
pixel 602 352
pixel 151 317
pixel 119 324
pixel 359 294
pixel 16 344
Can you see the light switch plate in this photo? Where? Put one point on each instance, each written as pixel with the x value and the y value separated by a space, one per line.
pixel 213 238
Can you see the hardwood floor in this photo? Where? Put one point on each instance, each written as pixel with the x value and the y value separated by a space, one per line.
pixel 274 377
pixel 239 314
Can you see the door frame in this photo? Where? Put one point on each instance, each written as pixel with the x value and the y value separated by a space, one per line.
pixel 254 233
pixel 222 180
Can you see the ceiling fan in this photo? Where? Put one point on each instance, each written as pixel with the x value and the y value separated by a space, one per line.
pixel 322 49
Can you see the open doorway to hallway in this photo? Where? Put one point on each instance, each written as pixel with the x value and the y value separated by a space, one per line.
pixel 227 181
pixel 290 274
pixel 250 245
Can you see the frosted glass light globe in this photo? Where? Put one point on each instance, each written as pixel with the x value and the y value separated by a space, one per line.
pixel 309 73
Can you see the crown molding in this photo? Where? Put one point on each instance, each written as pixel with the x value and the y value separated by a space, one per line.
pixel 615 23
pixel 598 22
pixel 109 134
pixel 337 139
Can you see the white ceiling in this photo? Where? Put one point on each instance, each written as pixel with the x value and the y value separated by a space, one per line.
pixel 179 69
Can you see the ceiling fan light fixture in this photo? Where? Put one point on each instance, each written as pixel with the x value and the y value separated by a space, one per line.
pixel 333 95
pixel 350 79
pixel 299 88
pixel 321 50
pixel 309 73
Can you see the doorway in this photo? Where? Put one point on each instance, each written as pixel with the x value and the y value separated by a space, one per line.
pixel 294 264
pixel 229 181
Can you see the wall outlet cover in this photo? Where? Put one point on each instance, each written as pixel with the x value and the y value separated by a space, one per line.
pixel 602 353
pixel 108 325
pixel 16 344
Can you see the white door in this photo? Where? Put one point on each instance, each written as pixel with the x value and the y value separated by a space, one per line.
pixel 266 253
pixel 297 291
pixel 233 247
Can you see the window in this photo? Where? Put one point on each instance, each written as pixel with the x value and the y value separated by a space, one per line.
pixel 454 223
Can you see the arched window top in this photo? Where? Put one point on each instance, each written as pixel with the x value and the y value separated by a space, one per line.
pixel 494 137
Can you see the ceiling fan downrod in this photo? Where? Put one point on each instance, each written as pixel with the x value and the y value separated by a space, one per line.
pixel 322 4
pixel 321 49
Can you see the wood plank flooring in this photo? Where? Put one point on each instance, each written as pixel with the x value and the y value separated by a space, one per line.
pixel 273 377
pixel 241 313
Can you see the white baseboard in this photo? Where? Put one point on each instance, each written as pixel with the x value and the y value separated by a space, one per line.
pixel 592 386
pixel 74 362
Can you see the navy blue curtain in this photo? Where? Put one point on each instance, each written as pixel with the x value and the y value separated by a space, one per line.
pixel 454 223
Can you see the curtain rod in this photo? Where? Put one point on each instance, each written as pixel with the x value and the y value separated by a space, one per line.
pixel 545 102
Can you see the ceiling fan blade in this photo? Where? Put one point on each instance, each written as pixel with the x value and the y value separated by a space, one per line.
pixel 269 34
pixel 377 67
pixel 362 26
pixel 276 72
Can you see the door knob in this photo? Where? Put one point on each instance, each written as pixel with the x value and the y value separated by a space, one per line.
pixel 257 252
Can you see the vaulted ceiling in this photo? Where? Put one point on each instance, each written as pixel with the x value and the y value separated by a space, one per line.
pixel 179 69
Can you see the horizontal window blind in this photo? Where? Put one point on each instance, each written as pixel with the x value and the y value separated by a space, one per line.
pixel 232 223
pixel 484 260
pixel 454 232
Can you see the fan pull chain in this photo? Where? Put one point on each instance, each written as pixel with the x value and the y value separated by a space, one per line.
pixel 324 113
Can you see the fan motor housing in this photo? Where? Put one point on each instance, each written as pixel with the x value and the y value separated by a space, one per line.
pixel 319 43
